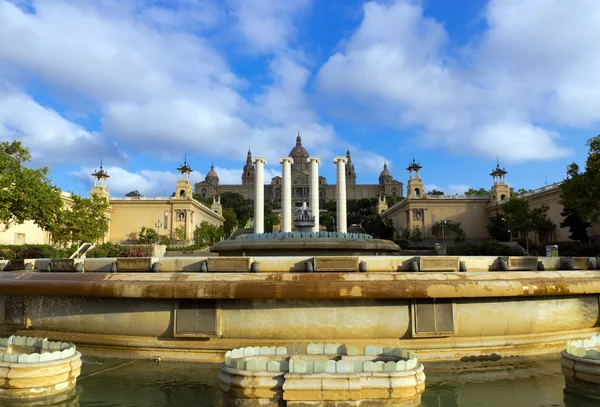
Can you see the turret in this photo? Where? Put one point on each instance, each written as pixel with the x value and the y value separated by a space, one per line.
pixel 350 173
pixel 500 190
pixel 415 184
pixel 184 185
pixel 99 188
pixel 248 171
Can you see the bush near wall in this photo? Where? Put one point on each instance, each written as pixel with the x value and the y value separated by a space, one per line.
pixel 573 249
pixel 491 248
pixel 118 250
pixel 34 251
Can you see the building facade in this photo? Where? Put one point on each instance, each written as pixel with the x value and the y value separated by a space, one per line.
pixel 300 182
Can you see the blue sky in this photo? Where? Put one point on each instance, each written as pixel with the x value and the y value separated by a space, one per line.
pixel 139 84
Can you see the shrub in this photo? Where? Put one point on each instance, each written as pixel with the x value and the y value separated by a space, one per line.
pixel 491 248
pixel 195 246
pixel 34 251
pixel 117 250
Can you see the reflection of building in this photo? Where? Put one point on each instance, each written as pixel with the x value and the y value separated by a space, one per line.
pixel 473 212
pixel 128 215
pixel 300 177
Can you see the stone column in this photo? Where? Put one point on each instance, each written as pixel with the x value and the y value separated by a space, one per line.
pixel 313 186
pixel 259 195
pixel 286 196
pixel 340 189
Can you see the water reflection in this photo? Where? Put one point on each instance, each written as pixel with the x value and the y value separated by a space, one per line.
pixel 66 399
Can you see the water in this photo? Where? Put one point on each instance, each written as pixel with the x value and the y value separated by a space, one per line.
pixel 514 382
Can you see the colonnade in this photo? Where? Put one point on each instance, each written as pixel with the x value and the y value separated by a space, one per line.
pixel 286 201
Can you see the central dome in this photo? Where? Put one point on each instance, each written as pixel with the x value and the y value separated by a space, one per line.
pixel 299 153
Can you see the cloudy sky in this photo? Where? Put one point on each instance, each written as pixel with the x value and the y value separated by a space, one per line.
pixel 453 84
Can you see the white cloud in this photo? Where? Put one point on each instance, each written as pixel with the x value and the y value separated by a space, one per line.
pixel 147 182
pixel 51 137
pixel 504 94
pixel 267 25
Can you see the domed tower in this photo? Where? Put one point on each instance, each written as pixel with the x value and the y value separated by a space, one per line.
pixel 184 185
pixel 350 173
pixel 212 178
pixel 385 177
pixel 415 183
pixel 99 188
pixel 500 190
pixel 299 155
pixel 248 171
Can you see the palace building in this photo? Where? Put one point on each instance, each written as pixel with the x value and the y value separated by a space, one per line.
pixel 300 182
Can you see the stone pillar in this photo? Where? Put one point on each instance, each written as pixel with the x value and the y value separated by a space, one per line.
pixel 286 196
pixel 259 195
pixel 314 189
pixel 340 189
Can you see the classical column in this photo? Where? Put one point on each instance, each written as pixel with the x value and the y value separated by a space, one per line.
pixel 340 189
pixel 286 198
pixel 313 186
pixel 259 195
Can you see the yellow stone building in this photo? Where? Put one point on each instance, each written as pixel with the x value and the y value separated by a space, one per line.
pixel 128 215
pixel 472 212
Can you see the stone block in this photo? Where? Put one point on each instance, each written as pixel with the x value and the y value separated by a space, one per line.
pixel 390 366
pixel 314 349
pixel 580 263
pixel 273 350
pixel 333 349
pixel 103 265
pixel 273 366
pixel 388 350
pixel 65 353
pixel 336 263
pixel 371 351
pixel 299 366
pixel 237 353
pixel 15 265
pixel 62 265
pixel 29 341
pixel 45 357
pixel 64 345
pixel 249 351
pixel 592 354
pixel 439 263
pixel 302 349
pixel 342 366
pixel 264 351
pixel 227 358
pixel 581 352
pixel 368 366
pixel 379 366
pixel 8 358
pixel 134 265
pixel 23 358
pixel 411 354
pixel 35 358
pixel 357 366
pixel 261 364
pixel 588 343
pixel 310 366
pixel 352 351
pixel 522 263
pixel 320 366
pixel 401 366
pixel 330 366
pixel 379 350
pixel 290 348
pixel 411 364
pixel 56 355
pixel 229 264
pixel 257 350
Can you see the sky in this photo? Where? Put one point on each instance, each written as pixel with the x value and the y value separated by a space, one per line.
pixel 456 85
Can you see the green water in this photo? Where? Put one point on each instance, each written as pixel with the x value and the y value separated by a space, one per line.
pixel 513 382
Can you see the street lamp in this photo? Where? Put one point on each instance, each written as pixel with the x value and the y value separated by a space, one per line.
pixel 333 223
pixel 443 231
pixel 157 225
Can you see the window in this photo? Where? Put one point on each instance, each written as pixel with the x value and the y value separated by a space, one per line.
pixel 433 317
pixel 182 194
pixel 417 192
pixel 196 317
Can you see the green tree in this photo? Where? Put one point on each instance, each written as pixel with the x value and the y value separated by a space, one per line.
pixel 84 221
pixel 480 191
pixel 581 190
pixel 133 194
pixel 521 219
pixel 25 193
pixel 179 233
pixel 207 233
pixel 446 229
pixel 393 200
pixel 230 222
pixel 435 192
pixel 243 208
pixel 415 234
pixel 378 227
pixel 147 235
pixel 577 226
pixel 498 229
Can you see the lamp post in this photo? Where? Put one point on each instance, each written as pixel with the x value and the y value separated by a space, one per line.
pixel 333 223
pixel 443 231
pixel 157 225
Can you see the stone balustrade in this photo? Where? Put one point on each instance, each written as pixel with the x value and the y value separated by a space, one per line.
pixel 304 235
pixel 36 368
pixel 317 372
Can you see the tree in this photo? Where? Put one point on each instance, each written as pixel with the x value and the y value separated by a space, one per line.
pixel 577 226
pixel 415 234
pixel 179 233
pixel 480 191
pixel 498 229
pixel 243 208
pixel 230 222
pixel 133 194
pixel 445 229
pixel 581 190
pixel 84 221
pixel 25 193
pixel 392 200
pixel 435 192
pixel 522 219
pixel 378 227
pixel 147 235
pixel 207 233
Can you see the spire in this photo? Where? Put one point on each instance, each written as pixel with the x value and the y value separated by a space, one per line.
pixel 249 158
pixel 298 139
pixel 385 165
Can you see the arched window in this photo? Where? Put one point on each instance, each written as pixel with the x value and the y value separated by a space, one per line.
pixel 417 192
pixel 394 192
pixel 203 193
pixel 182 193
pixel 502 197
